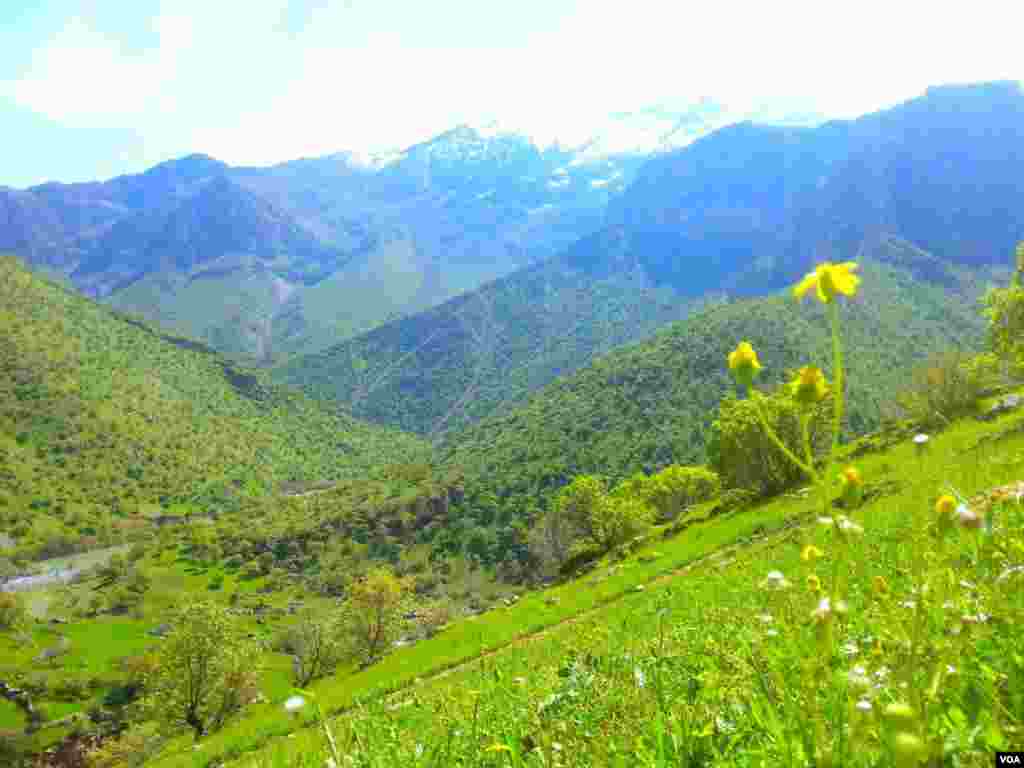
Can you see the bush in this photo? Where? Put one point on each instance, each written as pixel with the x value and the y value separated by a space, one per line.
pixel 673 489
pixel 744 456
pixel 433 617
pixel 615 520
pixel 585 519
pixel 946 386
pixel 12 611
pixel 1004 308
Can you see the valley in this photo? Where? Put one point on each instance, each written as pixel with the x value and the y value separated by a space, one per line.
pixel 702 449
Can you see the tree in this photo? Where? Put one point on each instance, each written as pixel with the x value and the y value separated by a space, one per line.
pixel 583 516
pixel 374 608
pixel 616 520
pixel 1004 308
pixel 317 646
pixel 205 671
pixel 562 526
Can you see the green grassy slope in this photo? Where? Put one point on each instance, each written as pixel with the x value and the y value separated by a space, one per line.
pixel 101 415
pixel 651 404
pixel 686 611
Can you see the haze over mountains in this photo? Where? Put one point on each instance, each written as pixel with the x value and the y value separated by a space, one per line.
pixel 269 261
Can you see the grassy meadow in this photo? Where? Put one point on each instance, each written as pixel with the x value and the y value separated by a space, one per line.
pixel 683 653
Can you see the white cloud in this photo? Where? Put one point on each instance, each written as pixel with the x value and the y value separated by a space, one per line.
pixel 373 74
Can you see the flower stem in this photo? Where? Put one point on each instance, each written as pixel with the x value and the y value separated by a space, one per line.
pixel 808 469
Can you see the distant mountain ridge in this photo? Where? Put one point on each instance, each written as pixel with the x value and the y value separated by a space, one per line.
pixel 742 211
pixel 309 252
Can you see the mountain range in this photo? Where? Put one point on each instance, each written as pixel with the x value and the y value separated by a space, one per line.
pixel 740 212
pixel 433 287
pixel 268 262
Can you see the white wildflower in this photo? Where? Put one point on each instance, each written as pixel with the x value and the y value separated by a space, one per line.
pixel 1015 570
pixel 968 518
pixel 294 704
pixel 864 705
pixel 858 678
pixel 775 580
pixel 846 525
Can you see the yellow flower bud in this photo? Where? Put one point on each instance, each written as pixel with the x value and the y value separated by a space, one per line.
pixel 852 486
pixel 851 477
pixel 880 586
pixel 743 364
pixel 810 553
pixel 809 387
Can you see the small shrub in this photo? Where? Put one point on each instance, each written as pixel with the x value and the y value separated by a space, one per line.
pixel 12 611
pixel 673 489
pixel 433 617
pixel 945 387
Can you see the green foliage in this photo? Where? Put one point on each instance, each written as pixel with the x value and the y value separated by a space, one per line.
pixel 585 521
pixel 444 368
pixel 12 611
pixel 644 407
pixel 317 645
pixel 205 671
pixel 373 612
pixel 945 387
pixel 1004 309
pixel 745 457
pixel 673 489
pixel 130 749
pixel 105 423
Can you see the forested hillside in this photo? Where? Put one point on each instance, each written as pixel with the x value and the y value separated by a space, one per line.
pixel 742 211
pixel 645 406
pixel 103 419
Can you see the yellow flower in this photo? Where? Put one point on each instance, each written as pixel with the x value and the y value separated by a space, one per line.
pixel 810 553
pixel 880 585
pixel 498 748
pixel 744 364
pixel 852 486
pixel 851 477
pixel 813 583
pixel 830 280
pixel 809 386
pixel 945 506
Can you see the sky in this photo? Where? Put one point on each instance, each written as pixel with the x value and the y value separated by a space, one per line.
pixel 94 88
